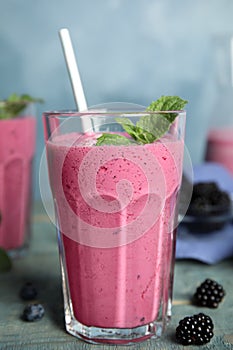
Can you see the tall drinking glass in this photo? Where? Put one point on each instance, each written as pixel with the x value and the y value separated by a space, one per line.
pixel 17 148
pixel 116 218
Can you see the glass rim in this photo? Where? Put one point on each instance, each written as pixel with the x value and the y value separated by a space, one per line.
pixel 96 112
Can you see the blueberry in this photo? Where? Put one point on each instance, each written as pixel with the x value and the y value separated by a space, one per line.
pixel 33 312
pixel 28 291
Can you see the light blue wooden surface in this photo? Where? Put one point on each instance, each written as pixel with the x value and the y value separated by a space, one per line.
pixel 41 266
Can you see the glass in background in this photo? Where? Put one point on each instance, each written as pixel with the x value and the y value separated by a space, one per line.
pixel 220 135
pixel 17 147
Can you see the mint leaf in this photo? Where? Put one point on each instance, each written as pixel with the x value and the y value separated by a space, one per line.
pixel 143 136
pixel 168 103
pixel 155 124
pixel 150 127
pixel 128 126
pixel 135 131
pixel 5 261
pixel 158 124
pixel 113 139
pixel 15 104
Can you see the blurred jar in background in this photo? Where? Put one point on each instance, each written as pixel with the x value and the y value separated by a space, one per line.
pixel 219 146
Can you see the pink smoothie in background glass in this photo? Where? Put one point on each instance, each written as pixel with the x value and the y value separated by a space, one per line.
pixel 17 146
pixel 117 281
pixel 220 147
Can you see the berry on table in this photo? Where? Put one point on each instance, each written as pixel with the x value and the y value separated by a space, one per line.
pixel 33 312
pixel 195 330
pixel 28 291
pixel 209 294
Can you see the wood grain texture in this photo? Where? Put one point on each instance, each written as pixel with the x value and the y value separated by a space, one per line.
pixel 41 266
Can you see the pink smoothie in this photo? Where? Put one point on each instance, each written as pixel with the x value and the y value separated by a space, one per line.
pixel 118 277
pixel 220 147
pixel 17 145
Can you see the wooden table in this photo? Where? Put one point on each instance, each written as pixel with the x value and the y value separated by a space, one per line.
pixel 41 266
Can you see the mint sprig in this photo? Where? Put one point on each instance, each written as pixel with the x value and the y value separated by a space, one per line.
pixel 150 127
pixel 15 104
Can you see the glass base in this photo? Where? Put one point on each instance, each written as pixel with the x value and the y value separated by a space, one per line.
pixel 121 336
pixel 22 250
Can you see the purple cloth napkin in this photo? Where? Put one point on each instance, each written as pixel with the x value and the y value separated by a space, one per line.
pixel 211 247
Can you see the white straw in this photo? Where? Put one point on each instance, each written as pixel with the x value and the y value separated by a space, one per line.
pixel 74 76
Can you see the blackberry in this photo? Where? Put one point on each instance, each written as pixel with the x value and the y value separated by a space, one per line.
pixel 33 312
pixel 195 330
pixel 221 199
pixel 28 291
pixel 204 188
pixel 199 206
pixel 209 294
pixel 208 198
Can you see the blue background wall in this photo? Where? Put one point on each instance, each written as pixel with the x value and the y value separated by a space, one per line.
pixel 128 51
